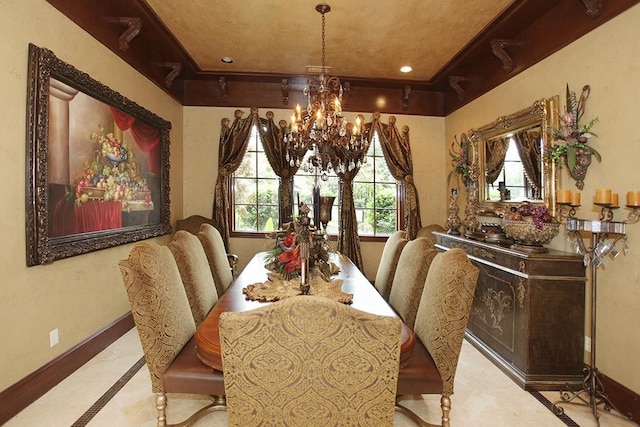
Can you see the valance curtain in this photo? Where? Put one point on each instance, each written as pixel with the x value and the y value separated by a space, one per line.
pixel 529 148
pixel 495 152
pixel 397 154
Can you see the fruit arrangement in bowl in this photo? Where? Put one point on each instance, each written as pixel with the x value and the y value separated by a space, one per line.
pixel 530 227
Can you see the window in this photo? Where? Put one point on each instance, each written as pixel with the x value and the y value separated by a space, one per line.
pixel 512 178
pixel 375 194
pixel 255 191
pixel 255 198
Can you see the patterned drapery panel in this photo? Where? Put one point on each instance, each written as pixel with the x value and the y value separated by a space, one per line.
pixel 397 154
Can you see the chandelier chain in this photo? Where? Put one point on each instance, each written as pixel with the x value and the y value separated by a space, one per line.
pixel 323 43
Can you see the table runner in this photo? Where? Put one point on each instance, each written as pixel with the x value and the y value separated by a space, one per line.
pixel 277 288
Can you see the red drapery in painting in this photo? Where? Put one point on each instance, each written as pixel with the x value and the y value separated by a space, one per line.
pixel 94 215
pixel 146 136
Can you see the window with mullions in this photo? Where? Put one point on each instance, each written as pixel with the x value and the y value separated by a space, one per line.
pixel 255 191
pixel 512 176
pixel 256 202
pixel 375 194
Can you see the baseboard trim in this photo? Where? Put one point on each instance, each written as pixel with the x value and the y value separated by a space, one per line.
pixel 627 401
pixel 26 391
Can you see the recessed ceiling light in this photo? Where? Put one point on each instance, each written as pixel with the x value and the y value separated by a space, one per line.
pixel 406 69
pixel 227 60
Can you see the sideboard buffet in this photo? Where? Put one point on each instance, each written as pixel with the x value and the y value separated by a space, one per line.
pixel 528 312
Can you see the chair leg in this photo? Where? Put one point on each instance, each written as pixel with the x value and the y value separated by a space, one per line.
pixel 445 404
pixel 219 404
pixel 161 406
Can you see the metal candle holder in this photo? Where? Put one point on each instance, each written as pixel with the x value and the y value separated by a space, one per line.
pixel 605 234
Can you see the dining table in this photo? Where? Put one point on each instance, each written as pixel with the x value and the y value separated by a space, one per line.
pixel 365 298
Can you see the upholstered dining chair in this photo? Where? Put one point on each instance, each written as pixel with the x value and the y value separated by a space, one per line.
pixel 409 279
pixel 192 224
pixel 388 263
pixel 309 361
pixel 427 231
pixel 166 327
pixel 195 272
pixel 216 254
pixel 441 320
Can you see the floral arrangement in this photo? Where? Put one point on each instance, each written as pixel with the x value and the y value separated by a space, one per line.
pixel 460 153
pixel 112 174
pixel 285 259
pixel 574 136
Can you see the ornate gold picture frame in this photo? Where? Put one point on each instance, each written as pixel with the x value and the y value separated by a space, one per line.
pixel 97 172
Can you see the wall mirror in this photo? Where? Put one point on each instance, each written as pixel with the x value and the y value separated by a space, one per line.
pixel 510 157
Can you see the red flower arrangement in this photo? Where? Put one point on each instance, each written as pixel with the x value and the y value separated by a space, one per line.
pixel 290 259
pixel 285 258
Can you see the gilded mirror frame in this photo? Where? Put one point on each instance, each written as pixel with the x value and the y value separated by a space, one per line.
pixel 544 112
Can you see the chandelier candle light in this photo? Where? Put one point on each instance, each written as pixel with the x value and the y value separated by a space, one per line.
pixel 335 143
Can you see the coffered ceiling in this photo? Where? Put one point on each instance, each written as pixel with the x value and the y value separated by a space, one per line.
pixel 458 49
pixel 366 39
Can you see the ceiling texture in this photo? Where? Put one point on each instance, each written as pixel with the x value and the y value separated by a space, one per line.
pixel 458 49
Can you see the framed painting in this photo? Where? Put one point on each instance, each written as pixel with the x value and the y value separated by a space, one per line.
pixel 97 164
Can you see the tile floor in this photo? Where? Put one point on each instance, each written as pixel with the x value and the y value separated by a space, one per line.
pixel 484 396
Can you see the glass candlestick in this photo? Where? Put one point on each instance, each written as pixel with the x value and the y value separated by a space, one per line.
pixel 326 205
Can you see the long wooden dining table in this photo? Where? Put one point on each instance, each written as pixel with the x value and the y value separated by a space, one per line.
pixel 365 298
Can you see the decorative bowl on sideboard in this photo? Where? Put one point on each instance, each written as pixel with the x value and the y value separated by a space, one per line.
pixel 528 237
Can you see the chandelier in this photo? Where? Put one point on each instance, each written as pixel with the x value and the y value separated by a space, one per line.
pixel 321 128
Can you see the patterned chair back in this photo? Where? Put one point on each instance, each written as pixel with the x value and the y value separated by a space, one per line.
pixel 444 311
pixel 310 361
pixel 388 263
pixel 216 254
pixel 159 306
pixel 195 273
pixel 427 231
pixel 409 279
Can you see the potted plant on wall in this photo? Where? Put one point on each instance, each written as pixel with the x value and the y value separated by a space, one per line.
pixel 571 140
pixel 461 160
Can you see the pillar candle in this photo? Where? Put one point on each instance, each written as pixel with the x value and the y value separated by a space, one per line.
pixel 614 199
pixel 575 199
pixel 564 196
pixel 603 195
pixel 633 198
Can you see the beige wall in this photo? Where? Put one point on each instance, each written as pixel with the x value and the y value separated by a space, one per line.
pixel 201 135
pixel 79 295
pixel 606 59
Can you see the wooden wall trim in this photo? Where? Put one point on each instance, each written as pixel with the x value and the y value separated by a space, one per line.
pixel 26 391
pixel 627 401
pixel 534 28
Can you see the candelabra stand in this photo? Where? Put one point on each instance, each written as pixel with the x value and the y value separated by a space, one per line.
pixel 605 234
pixel 453 219
pixel 305 248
